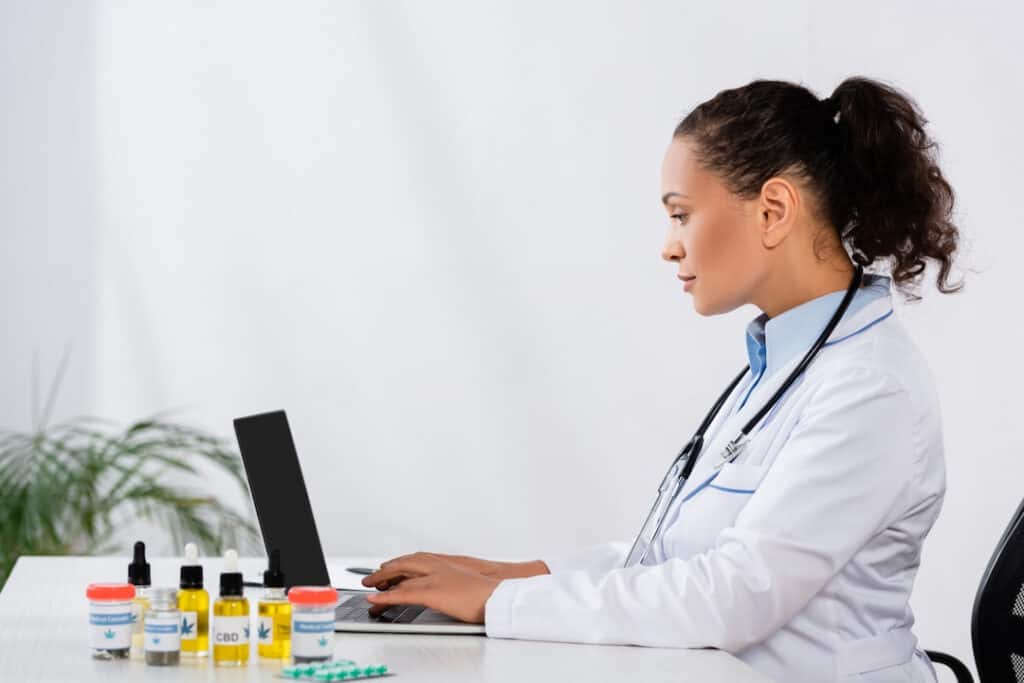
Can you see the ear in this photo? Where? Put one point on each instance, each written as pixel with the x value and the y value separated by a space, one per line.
pixel 778 208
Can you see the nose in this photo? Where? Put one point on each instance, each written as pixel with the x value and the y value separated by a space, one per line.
pixel 673 249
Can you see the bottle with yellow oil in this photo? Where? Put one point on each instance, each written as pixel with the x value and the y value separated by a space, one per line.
pixel 194 605
pixel 139 576
pixel 274 627
pixel 230 630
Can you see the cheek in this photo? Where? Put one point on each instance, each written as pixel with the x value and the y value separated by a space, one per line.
pixel 727 262
pixel 715 247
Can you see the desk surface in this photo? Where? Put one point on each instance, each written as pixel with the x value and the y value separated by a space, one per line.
pixel 43 629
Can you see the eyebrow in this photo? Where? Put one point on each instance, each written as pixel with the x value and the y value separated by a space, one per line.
pixel 668 195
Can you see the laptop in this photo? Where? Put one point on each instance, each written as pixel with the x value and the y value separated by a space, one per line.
pixel 286 523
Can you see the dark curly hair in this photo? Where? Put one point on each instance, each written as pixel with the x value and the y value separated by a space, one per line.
pixel 863 152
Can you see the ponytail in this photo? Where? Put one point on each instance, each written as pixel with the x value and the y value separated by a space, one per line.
pixel 864 153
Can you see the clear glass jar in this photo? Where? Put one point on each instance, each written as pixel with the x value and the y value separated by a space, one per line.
pixel 312 623
pixel 163 628
pixel 110 619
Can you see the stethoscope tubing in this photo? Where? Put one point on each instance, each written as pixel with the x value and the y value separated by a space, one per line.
pixel 687 457
pixel 697 441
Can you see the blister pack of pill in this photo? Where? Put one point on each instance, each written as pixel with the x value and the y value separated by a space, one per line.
pixel 342 670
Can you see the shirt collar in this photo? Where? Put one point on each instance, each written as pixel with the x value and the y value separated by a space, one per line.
pixel 772 342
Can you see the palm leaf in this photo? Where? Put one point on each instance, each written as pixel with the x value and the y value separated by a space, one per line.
pixel 64 487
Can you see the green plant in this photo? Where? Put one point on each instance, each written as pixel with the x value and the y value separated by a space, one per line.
pixel 65 489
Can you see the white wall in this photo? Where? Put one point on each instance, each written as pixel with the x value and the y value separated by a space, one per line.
pixel 431 232
pixel 48 206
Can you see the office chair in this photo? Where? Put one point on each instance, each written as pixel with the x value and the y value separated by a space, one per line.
pixel 997 622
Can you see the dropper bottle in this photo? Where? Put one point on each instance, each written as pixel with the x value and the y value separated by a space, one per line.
pixel 194 604
pixel 139 576
pixel 274 628
pixel 230 617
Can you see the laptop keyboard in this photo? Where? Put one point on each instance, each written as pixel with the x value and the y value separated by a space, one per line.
pixel 355 609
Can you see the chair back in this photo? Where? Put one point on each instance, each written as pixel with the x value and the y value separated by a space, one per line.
pixel 997 622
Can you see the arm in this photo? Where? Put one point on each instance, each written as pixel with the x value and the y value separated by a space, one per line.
pixel 839 480
pixel 598 559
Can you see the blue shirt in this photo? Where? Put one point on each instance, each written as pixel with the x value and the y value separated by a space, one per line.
pixel 772 342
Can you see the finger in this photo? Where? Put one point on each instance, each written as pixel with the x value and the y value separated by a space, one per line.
pixel 412 567
pixel 410 592
pixel 371 580
pixel 377 610
pixel 366 579
pixel 385 578
pixel 393 567
pixel 396 570
pixel 388 585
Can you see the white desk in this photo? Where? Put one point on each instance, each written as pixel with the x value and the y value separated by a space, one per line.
pixel 44 616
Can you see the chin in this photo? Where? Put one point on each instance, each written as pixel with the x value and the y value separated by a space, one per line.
pixel 709 308
pixel 702 308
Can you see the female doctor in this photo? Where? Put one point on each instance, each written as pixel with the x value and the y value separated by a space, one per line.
pixel 795 539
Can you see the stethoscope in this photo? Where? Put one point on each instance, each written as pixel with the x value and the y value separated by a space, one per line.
pixel 682 466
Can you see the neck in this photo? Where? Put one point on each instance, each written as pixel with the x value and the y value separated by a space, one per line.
pixel 793 285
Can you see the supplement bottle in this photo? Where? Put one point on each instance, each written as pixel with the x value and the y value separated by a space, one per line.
pixel 312 623
pixel 230 631
pixel 138 576
pixel 194 603
pixel 163 628
pixel 110 619
pixel 274 626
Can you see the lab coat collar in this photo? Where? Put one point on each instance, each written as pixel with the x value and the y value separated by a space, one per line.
pixel 727 425
pixel 772 342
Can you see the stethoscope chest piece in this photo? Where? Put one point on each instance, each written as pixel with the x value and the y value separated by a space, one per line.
pixel 732 450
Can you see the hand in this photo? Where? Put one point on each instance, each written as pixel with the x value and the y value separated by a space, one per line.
pixel 498 570
pixel 425 579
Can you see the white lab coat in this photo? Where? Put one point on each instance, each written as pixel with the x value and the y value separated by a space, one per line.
pixel 800 556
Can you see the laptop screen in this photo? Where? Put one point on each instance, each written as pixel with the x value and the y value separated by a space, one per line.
pixel 279 495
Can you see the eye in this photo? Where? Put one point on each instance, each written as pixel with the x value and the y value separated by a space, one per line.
pixel 680 217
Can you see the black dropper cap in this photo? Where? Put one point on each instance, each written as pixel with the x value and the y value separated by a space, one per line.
pixel 191 574
pixel 274 577
pixel 138 569
pixel 231 583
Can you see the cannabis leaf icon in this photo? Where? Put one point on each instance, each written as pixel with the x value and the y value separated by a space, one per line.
pixel 323 642
pixel 246 630
pixel 186 626
pixel 108 634
pixel 263 632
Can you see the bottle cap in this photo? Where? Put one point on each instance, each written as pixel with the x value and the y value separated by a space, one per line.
pixel 138 569
pixel 191 571
pixel 231 578
pixel 274 577
pixel 313 595
pixel 110 591
pixel 163 597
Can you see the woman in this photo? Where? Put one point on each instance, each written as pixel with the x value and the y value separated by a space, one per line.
pixel 800 555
